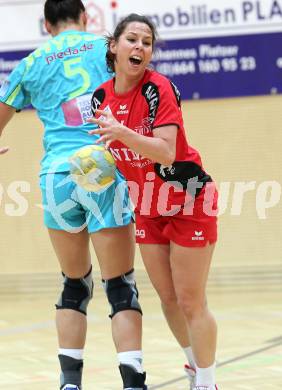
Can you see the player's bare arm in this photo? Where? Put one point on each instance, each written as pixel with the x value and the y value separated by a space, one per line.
pixel 6 113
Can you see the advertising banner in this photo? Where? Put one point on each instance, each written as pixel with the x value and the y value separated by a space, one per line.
pixel 227 66
pixel 209 49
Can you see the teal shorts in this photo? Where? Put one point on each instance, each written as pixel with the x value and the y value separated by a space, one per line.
pixel 69 207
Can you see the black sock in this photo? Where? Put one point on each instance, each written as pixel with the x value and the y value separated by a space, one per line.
pixel 71 370
pixel 131 378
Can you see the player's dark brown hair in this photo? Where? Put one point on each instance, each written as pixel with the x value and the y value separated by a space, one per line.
pixel 56 11
pixel 121 26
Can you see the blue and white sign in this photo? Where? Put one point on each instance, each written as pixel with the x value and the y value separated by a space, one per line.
pixel 228 66
pixel 8 61
pixel 209 49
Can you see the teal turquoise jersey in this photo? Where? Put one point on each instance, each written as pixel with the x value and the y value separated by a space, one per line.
pixel 58 79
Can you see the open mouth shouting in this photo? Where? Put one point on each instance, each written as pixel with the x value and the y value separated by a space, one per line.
pixel 135 60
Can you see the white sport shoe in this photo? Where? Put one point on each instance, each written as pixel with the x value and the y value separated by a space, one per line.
pixel 191 374
pixel 205 387
pixel 70 387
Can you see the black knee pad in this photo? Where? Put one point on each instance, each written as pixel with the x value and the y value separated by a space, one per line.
pixel 76 293
pixel 122 293
pixel 131 378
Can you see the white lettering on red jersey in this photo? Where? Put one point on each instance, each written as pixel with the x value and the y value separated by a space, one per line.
pixel 153 103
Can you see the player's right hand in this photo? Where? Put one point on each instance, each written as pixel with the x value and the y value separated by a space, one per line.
pixel 4 150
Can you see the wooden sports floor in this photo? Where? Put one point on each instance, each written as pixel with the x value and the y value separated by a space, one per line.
pixel 249 346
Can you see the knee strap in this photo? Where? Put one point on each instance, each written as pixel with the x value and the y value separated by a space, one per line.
pixel 76 293
pixel 122 293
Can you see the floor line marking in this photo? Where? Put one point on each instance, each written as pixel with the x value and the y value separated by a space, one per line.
pixel 224 363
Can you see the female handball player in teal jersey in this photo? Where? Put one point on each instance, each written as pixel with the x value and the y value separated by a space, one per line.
pixel 58 79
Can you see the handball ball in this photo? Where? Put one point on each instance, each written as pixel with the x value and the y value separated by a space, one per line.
pixel 93 168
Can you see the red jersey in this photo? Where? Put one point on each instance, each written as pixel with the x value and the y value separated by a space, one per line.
pixel 155 102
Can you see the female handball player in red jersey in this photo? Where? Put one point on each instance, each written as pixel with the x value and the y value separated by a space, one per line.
pixel 140 121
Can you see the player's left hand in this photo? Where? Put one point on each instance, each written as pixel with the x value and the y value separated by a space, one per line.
pixel 4 150
pixel 109 128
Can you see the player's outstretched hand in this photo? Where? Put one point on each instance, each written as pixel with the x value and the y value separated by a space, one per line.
pixel 109 128
pixel 4 150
